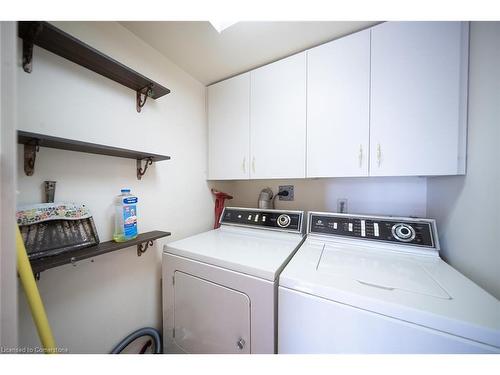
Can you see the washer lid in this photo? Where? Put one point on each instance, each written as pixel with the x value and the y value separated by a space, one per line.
pixel 414 288
pixel 255 252
pixel 379 271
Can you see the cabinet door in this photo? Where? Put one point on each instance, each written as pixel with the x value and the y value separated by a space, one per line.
pixel 210 318
pixel 278 119
pixel 418 98
pixel 228 129
pixel 338 99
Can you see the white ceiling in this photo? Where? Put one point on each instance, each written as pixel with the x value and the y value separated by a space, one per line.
pixel 208 56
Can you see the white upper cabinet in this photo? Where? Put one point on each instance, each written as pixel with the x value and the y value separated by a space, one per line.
pixel 418 98
pixel 388 101
pixel 278 119
pixel 338 99
pixel 228 129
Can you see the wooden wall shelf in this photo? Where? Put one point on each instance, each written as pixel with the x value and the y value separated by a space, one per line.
pixel 143 241
pixel 49 37
pixel 32 141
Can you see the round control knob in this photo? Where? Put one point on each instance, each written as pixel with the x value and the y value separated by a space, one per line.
pixel 283 220
pixel 403 232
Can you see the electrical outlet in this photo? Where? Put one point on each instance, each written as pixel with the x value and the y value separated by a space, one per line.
pixel 289 189
pixel 342 206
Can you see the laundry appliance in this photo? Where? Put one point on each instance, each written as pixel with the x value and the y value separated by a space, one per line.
pixel 220 286
pixel 372 284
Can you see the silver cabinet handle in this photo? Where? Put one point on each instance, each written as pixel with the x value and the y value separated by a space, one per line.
pixel 360 156
pixel 241 344
pixel 379 154
pixel 253 164
pixel 244 166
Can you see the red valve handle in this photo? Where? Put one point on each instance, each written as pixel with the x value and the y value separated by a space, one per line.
pixel 220 199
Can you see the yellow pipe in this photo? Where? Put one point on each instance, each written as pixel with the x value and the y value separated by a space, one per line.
pixel 33 296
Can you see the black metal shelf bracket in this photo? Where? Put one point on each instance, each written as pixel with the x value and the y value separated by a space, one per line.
pixel 142 247
pixel 147 92
pixel 140 171
pixel 30 150
pixel 28 43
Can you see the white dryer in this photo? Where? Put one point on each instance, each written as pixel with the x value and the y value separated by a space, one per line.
pixel 366 284
pixel 220 286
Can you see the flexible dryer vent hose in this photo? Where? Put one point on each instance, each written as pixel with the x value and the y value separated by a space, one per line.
pixel 147 331
pixel 33 296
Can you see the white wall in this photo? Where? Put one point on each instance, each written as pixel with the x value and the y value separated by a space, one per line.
pixel 95 304
pixel 467 208
pixel 405 196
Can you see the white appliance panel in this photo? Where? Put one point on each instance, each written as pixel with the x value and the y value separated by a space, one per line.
pixel 210 318
pixel 309 324
pixel 261 293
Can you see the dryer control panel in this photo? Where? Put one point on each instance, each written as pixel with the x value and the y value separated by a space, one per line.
pixel 403 231
pixel 288 221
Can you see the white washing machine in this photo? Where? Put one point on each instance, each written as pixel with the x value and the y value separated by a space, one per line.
pixel 220 286
pixel 366 284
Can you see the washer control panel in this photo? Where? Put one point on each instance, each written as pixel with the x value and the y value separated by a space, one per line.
pixel 404 231
pixel 290 221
